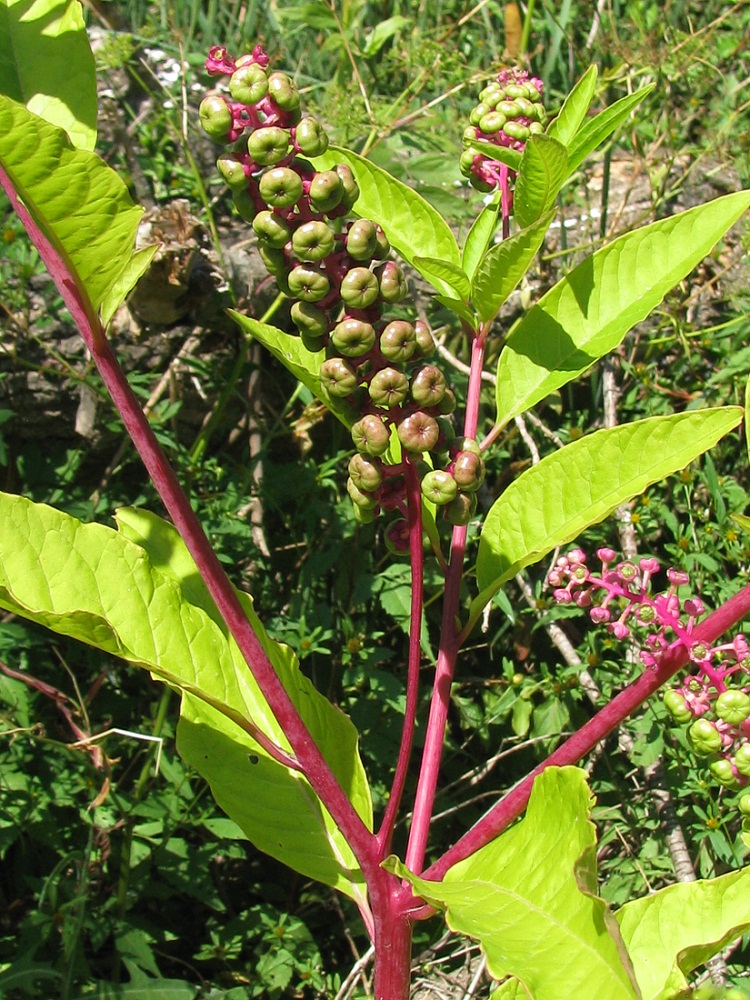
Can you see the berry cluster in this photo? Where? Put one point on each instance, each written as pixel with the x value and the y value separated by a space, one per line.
pixel 715 699
pixel 509 111
pixel 341 278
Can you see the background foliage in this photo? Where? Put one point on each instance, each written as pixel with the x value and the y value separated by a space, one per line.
pixel 115 872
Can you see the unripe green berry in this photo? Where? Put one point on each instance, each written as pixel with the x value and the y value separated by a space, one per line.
pixel 283 91
pixel 704 738
pixel 469 136
pixel 310 321
pixel 744 804
pixel 536 128
pixel 248 84
pixel 353 337
pixel 370 435
pixel 366 472
pixel 460 444
pixel 313 241
pixel 428 386
pixel 359 497
pixel 215 117
pixel 393 286
pixel 492 122
pixel 359 288
pixel 388 387
pixel 268 146
pixel 733 707
pixel 308 283
pixel 311 137
pixel 418 432
pixel 466 162
pixel 275 261
pixel 280 187
pixel 398 341
pixel 515 90
pixel 461 509
pixel 245 204
pixel 338 378
pixel 351 188
pixel 272 229
pixel 447 404
pixel 383 247
pixel 677 706
pixel 364 516
pixel 516 131
pixel 509 108
pixel 439 487
pixel 742 760
pixel 468 471
pixel 232 170
pixel 478 113
pixel 362 240
pixel 326 191
pixel 425 344
pixel 722 770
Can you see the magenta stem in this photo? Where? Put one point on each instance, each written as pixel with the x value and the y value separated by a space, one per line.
pixel 596 729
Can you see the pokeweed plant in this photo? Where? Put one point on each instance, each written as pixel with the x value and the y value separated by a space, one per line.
pixel 282 760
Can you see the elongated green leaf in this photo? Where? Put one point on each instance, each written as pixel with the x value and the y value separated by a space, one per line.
pixel 503 267
pixel 459 308
pixel 552 502
pixel 441 273
pixel 595 131
pixel 303 364
pixel 143 601
pixel 575 108
pixel 77 201
pixel 528 898
pixel 479 237
pixel 503 154
pixel 673 931
pixel 542 173
pixel 47 64
pixel 413 227
pixel 587 314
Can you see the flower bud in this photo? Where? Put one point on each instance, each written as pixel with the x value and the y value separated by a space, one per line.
pixel 461 509
pixel 313 241
pixel 339 379
pixel 248 84
pixel 370 435
pixel 362 240
pixel 359 289
pixel 311 137
pixel 283 91
pixel 215 117
pixel 353 337
pixel 418 432
pixel 326 190
pixel 428 386
pixel 308 283
pixel 398 341
pixel 272 229
pixel 310 321
pixel 439 487
pixel 366 472
pixel 388 387
pixel 269 145
pixel 393 286
pixel 280 187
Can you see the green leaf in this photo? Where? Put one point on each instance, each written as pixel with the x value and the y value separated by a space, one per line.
pixel 440 272
pixel 78 202
pixel 413 227
pixel 543 170
pixel 601 127
pixel 503 154
pixel 140 597
pixel 575 108
pixel 747 416
pixel 503 267
pixel 47 64
pixel 528 898
pixel 479 237
pixel 303 364
pixel 552 502
pixel 383 32
pixel 134 269
pixel 588 313
pixel 673 931
pixel 461 310
pixel 511 989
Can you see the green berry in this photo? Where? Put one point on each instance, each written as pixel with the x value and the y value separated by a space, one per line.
pixel 281 187
pixel 283 91
pixel 478 113
pixel 723 771
pixel 366 472
pixel 439 487
pixel 359 497
pixel 447 404
pixel 245 204
pixel 275 261
pixel 359 288
pixel 349 184
pixel 232 170
pixel 468 471
pixel 272 229
pixel 744 804
pixel 742 760
pixel 268 146
pixel 509 108
pixel 362 240
pixel 311 137
pixel 492 122
pixel 338 378
pixel 733 707
pixel 310 321
pixel 388 387
pixel 460 444
pixel 383 247
pixel 425 344
pixel 398 341
pixel 461 509
pixel 353 337
pixel 418 432
pixel 428 386
pixel 704 737
pixel 215 117
pixel 370 435
pixel 677 706
pixel 326 191
pixel 517 131
pixel 248 84
pixel 393 286
pixel 308 283
pixel 313 241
